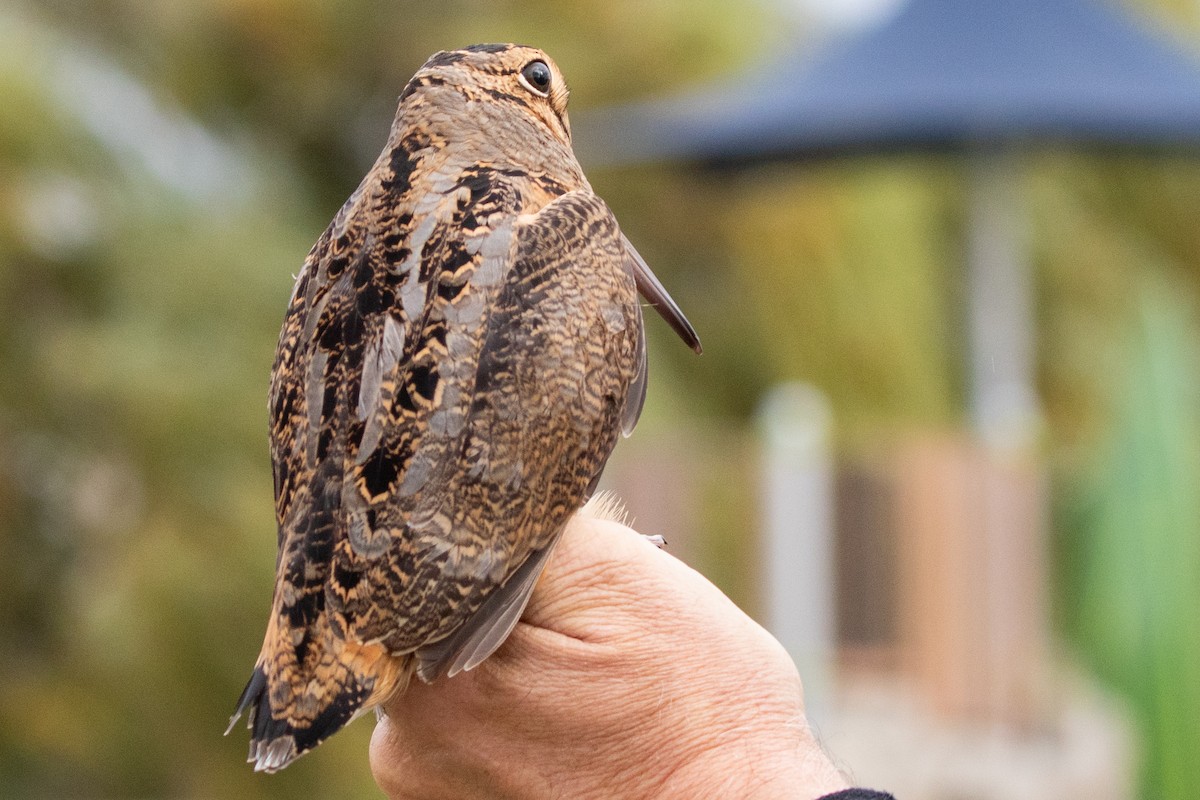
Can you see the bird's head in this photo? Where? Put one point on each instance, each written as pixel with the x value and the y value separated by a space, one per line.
pixel 500 81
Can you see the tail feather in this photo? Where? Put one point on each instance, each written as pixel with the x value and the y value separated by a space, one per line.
pixel 315 710
pixel 255 689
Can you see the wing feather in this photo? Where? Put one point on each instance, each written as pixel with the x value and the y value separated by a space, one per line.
pixel 637 392
pixel 557 374
pixel 486 629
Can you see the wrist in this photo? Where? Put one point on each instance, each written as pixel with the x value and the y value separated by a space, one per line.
pixel 738 730
pixel 788 765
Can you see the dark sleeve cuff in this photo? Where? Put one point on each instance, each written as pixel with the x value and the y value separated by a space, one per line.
pixel 857 794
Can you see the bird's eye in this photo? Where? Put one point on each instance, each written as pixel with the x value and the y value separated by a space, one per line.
pixel 536 78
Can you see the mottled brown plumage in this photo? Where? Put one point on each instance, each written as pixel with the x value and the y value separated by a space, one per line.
pixel 462 348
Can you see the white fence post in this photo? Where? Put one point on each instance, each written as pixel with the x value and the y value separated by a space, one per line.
pixel 798 548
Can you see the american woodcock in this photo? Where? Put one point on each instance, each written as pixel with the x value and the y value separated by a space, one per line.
pixel 462 347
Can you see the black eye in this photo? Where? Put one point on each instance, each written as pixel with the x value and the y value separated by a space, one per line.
pixel 536 77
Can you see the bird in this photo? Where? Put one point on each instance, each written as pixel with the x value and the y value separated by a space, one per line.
pixel 462 348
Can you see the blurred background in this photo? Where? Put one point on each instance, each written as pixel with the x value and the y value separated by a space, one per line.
pixel 985 611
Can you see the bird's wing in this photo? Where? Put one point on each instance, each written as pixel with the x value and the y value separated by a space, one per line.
pixel 487 628
pixel 306 683
pixel 637 391
pixel 372 342
pixel 398 507
pixel 557 367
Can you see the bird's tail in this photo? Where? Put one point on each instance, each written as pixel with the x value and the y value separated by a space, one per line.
pixel 292 706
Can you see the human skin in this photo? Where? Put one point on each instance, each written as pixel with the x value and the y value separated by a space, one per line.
pixel 629 676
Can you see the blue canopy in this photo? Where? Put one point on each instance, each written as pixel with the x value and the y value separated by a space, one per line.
pixel 940 74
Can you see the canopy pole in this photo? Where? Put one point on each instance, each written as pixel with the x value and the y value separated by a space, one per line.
pixel 1003 396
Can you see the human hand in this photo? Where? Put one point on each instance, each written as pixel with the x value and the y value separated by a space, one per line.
pixel 629 676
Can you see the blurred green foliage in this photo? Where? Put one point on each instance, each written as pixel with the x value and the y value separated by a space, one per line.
pixel 1134 581
pixel 166 167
